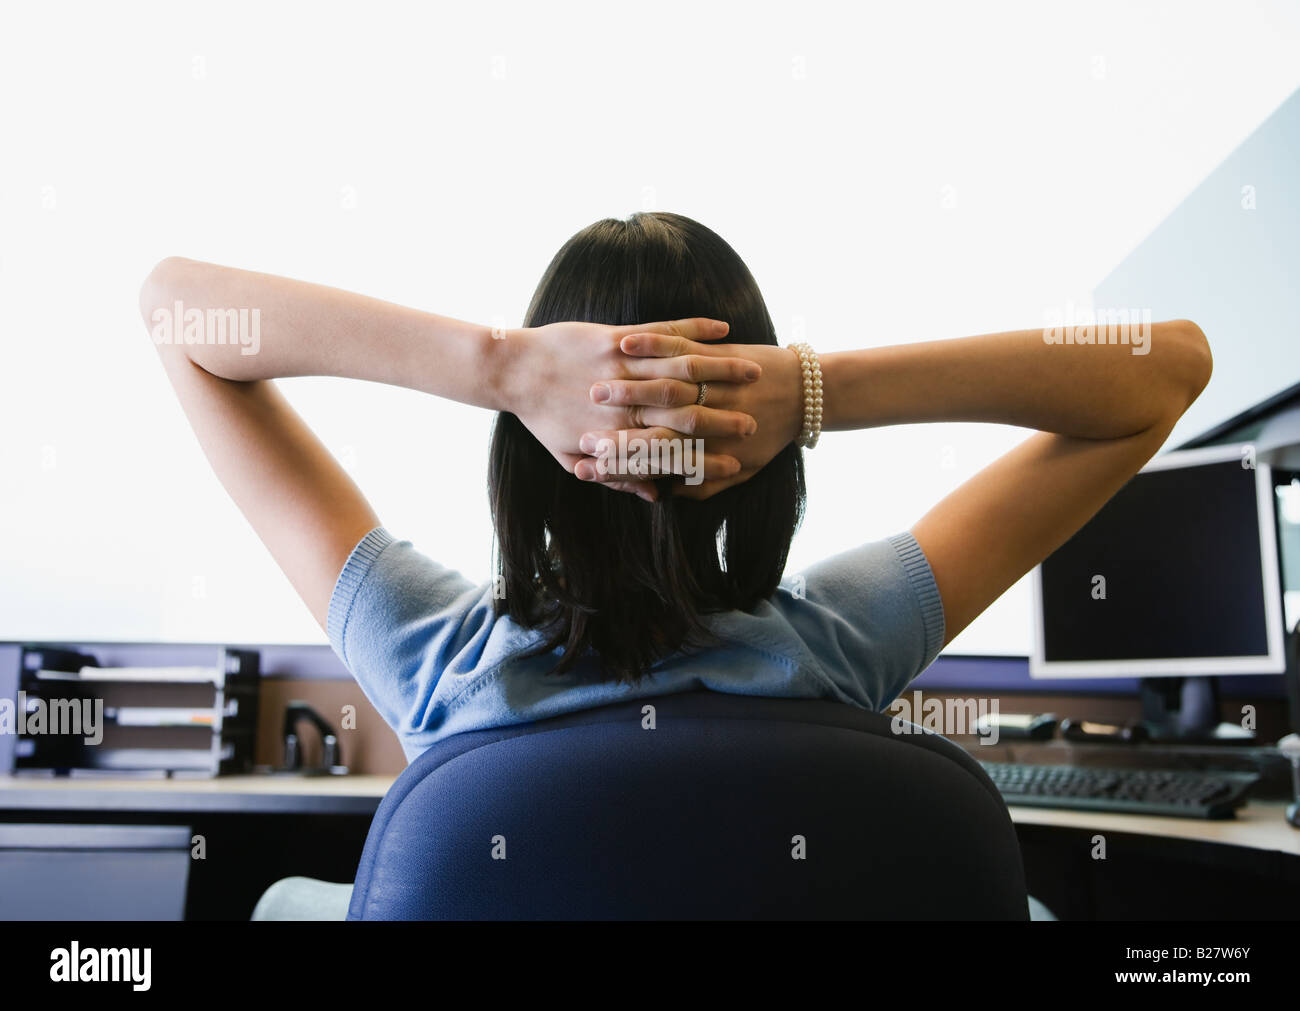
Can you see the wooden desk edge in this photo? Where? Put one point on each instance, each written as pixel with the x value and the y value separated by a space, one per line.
pixel 223 794
pixel 1260 825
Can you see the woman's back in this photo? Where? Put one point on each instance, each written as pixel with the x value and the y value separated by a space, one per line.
pixel 436 658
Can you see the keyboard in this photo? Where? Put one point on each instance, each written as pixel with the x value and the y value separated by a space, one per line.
pixel 1180 793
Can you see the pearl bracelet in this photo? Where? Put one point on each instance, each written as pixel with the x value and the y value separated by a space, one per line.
pixel 811 368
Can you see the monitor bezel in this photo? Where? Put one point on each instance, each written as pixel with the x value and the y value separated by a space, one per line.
pixel 1274 662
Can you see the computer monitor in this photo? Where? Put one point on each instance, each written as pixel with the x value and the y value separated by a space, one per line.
pixel 1176 575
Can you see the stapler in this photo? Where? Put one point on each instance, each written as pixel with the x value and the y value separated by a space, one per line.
pixel 331 762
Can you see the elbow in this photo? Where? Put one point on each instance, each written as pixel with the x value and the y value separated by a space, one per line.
pixel 1196 361
pixel 159 288
pixel 1187 364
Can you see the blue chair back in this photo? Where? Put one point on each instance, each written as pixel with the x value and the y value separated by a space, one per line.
pixel 721 807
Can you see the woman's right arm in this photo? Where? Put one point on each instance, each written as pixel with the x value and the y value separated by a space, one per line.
pixel 1102 412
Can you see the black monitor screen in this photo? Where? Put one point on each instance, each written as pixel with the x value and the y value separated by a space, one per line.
pixel 1169 568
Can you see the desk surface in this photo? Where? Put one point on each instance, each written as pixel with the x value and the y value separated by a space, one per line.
pixel 271 794
pixel 1259 825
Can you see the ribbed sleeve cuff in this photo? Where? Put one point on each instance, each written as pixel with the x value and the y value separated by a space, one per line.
pixel 921 577
pixel 349 582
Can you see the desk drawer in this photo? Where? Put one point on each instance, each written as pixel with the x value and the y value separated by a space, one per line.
pixel 93 872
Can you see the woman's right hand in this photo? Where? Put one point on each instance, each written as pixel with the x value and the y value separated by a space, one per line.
pixel 774 401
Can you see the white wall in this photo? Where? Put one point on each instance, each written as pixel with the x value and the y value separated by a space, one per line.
pixel 1229 257
pixel 889 174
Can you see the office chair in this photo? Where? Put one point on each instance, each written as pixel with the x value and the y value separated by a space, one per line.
pixel 731 807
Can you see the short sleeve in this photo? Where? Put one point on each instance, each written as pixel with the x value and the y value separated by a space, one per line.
pixel 398 620
pixel 871 616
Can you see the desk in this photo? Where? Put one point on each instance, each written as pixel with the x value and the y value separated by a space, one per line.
pixel 316 826
pixel 254 829
pixel 1261 825
pixel 1156 868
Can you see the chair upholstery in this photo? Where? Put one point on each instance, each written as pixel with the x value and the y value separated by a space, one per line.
pixel 598 817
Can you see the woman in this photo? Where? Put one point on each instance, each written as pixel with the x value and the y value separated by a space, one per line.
pixel 614 583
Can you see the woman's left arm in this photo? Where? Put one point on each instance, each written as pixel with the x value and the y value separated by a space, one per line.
pixel 301 503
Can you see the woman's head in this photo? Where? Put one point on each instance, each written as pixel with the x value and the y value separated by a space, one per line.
pixel 602 571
